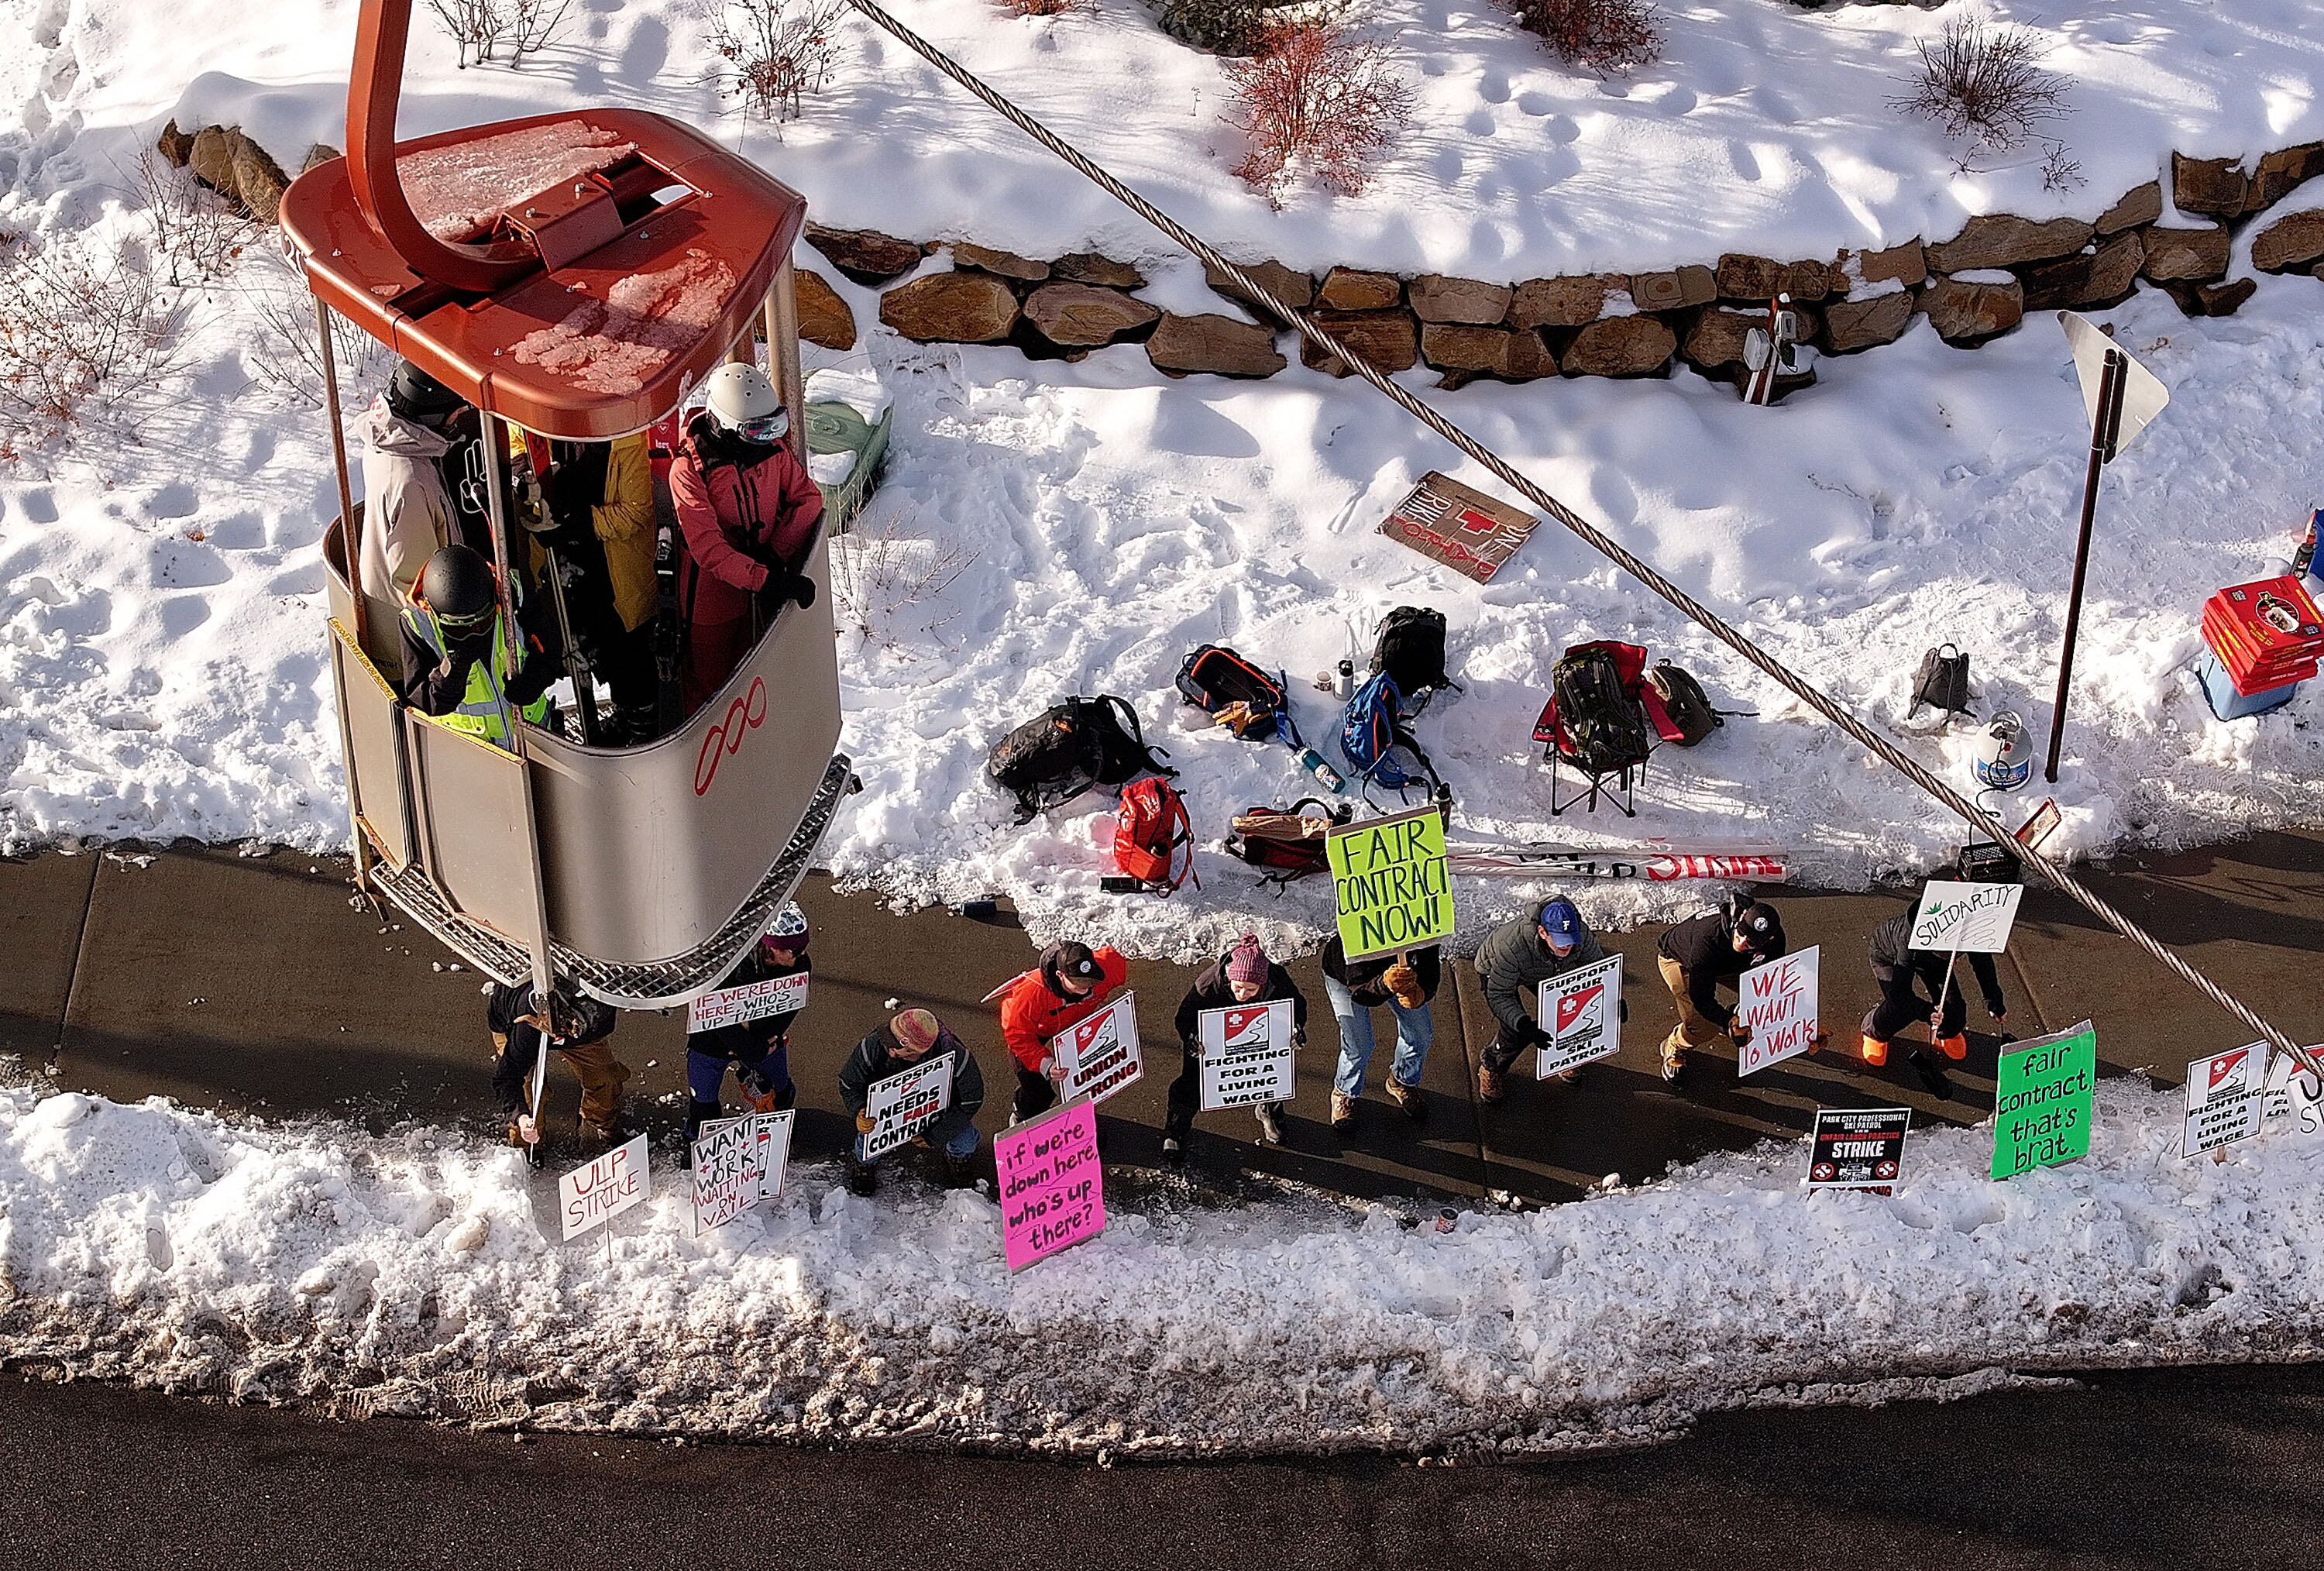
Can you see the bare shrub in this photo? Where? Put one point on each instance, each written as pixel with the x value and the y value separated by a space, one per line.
pixel 775 53
pixel 1043 7
pixel 1316 98
pixel 2060 171
pixel 285 356
pixel 1604 36
pixel 84 328
pixel 878 570
pixel 1988 84
pixel 479 27
pixel 198 235
pixel 533 26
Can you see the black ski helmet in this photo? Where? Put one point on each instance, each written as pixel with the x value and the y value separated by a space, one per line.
pixel 457 585
pixel 417 396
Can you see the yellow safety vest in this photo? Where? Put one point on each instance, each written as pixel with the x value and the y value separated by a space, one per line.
pixel 483 709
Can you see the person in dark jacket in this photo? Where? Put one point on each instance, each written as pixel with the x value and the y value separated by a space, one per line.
pixel 759 1049
pixel 1243 975
pixel 455 658
pixel 1902 972
pixel 1406 984
pixel 1072 982
pixel 899 1044
pixel 1516 959
pixel 1700 955
pixel 598 502
pixel 577 1027
pixel 747 514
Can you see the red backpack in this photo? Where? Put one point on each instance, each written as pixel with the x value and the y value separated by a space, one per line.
pixel 1151 832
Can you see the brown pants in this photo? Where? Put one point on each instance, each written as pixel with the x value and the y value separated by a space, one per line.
pixel 602 1077
pixel 1695 1029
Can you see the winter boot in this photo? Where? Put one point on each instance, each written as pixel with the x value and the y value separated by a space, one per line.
pixel 1874 1050
pixel 1934 1078
pixel 1673 1062
pixel 1489 1085
pixel 959 1172
pixel 1954 1046
pixel 1174 1151
pixel 699 1114
pixel 1343 1110
pixel 1271 1127
pixel 1407 1098
pixel 863 1176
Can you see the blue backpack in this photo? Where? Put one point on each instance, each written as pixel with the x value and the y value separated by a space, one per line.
pixel 1373 735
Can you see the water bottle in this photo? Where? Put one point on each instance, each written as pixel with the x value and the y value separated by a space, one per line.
pixel 1313 762
pixel 2306 555
pixel 1347 683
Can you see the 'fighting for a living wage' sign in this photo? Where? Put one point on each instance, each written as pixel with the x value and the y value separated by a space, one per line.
pixel 2224 1100
pixel 1248 1053
pixel 1777 1001
pixel 1052 1184
pixel 2041 1101
pixel 1389 884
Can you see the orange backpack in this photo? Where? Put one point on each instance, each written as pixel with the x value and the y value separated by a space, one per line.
pixel 1151 832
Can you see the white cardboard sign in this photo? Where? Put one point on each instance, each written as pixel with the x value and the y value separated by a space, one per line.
pixel 2226 1099
pixel 1966 918
pixel 751 1001
pixel 737 1163
pixel 907 1103
pixel 2293 1092
pixel 1777 1001
pixel 1247 1054
pixel 1582 1015
pixel 601 1189
pixel 1098 1055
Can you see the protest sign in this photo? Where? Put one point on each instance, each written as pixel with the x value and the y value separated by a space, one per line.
pixel 907 1103
pixel 1858 1148
pixel 1777 1001
pixel 1247 1054
pixel 1459 526
pixel 1052 1184
pixel 2225 1099
pixel 597 1191
pixel 751 1001
pixel 2293 1092
pixel 1100 1055
pixel 737 1163
pixel 2041 1101
pixel 1390 886
pixel 1582 1013
pixel 1968 918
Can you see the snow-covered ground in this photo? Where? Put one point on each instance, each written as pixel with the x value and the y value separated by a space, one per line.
pixel 409 1275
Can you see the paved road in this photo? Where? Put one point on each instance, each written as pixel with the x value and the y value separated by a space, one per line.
pixel 2187 1469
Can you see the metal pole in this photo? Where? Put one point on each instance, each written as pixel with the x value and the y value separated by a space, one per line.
pixel 495 440
pixel 351 544
pixel 2104 427
pixel 783 351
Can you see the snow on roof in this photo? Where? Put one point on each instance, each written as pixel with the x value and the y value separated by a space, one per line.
pixel 616 345
pixel 458 191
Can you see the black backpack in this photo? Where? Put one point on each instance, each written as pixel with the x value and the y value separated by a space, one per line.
pixel 1214 676
pixel 1685 702
pixel 1604 732
pixel 1942 683
pixel 1410 651
pixel 1072 746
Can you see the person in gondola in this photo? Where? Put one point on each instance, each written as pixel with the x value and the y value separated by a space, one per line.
pixel 455 659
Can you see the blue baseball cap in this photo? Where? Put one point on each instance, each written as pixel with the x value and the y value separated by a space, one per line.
pixel 1560 920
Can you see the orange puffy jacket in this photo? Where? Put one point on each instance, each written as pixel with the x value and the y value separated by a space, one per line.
pixel 1032 1013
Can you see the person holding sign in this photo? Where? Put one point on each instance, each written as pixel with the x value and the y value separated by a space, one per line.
pixel 893 1049
pixel 1243 975
pixel 1405 982
pixel 1700 955
pixel 1902 972
pixel 758 1048
pixel 1516 959
pixel 1071 984
pixel 576 1026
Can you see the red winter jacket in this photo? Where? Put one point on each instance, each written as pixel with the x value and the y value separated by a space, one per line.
pixel 1033 1012
pixel 732 521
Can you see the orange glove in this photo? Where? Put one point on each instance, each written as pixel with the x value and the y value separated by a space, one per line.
pixel 865 1123
pixel 1404 981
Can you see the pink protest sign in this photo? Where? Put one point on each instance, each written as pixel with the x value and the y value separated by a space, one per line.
pixel 1052 1184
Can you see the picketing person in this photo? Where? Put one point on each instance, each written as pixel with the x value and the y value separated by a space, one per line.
pixel 1516 958
pixel 408 511
pixel 747 511
pixel 908 1037
pixel 758 1051
pixel 1243 975
pixel 455 655
pixel 1406 984
pixel 598 497
pixel 577 1028
pixel 1703 953
pixel 1072 982
pixel 1902 972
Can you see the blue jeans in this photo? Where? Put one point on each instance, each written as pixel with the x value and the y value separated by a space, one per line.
pixel 1416 1031
pixel 706 1073
pixel 955 1131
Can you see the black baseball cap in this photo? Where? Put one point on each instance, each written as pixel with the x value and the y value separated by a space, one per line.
pixel 1074 960
pixel 1761 928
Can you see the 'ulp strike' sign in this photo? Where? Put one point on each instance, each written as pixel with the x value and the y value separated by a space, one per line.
pixel 1390 886
pixel 2041 1101
pixel 1052 1184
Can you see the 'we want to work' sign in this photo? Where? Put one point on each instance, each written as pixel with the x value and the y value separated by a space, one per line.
pixel 1390 887
pixel 1777 1001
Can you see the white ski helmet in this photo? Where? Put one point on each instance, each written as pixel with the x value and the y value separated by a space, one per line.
pixel 741 400
pixel 2005 754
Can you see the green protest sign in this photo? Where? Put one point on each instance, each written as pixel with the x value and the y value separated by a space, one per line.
pixel 1390 886
pixel 2041 1101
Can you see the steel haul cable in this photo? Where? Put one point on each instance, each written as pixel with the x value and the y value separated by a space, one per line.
pixel 1880 746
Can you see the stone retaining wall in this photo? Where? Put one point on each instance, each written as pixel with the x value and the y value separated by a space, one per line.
pixel 1972 286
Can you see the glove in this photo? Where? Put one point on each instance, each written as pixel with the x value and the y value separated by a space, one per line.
pixel 1403 980
pixel 865 1123
pixel 1738 1032
pixel 1298 1038
pixel 798 590
pixel 1245 720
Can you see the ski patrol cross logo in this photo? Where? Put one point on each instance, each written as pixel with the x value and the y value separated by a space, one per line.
pixel 1572 1006
pixel 2227 1066
pixel 744 715
pixel 1240 1021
